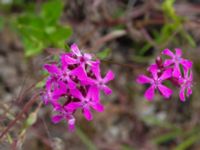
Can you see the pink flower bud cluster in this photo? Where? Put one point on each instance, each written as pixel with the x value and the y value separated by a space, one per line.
pixel 175 69
pixel 75 83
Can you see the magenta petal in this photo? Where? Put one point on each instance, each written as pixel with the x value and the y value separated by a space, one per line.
pixel 186 63
pixel 98 107
pixel 142 79
pixel 189 91
pixel 178 52
pixel 89 81
pixel 109 76
pixel 48 84
pixel 166 74
pixel 67 60
pixel 73 105
pixel 61 90
pixel 57 94
pixel 107 90
pixel 93 93
pixel 80 73
pixel 182 94
pixel 150 92
pixel 152 67
pixel 165 91
pixel 87 114
pixel 75 50
pixel 87 56
pixel 176 72
pixel 71 124
pixel 96 70
pixel 154 73
pixel 71 84
pixel 76 93
pixel 53 69
pixel 168 52
pixel 168 62
pixel 56 118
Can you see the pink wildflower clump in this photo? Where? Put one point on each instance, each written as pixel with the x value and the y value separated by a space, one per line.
pixel 175 69
pixel 75 83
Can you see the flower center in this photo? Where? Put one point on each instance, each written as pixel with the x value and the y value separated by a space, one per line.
pixel 82 59
pixel 157 82
pixel 177 59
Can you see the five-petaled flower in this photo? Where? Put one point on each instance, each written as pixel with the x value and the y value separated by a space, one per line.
pixel 156 83
pixel 176 60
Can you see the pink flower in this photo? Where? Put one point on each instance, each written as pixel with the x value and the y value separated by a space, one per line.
pixel 76 57
pixel 171 70
pixel 64 115
pixel 176 60
pixel 186 84
pixel 100 82
pixel 156 83
pixel 74 82
pixel 90 100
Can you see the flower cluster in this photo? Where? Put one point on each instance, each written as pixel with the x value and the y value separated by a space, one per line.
pixel 175 69
pixel 75 83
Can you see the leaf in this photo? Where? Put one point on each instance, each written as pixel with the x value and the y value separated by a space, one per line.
pixel 188 142
pixel 60 35
pixel 40 84
pixel 32 118
pixel 166 137
pixel 32 48
pixel 104 54
pixel 51 11
pixel 67 48
pixel 189 38
pixel 41 30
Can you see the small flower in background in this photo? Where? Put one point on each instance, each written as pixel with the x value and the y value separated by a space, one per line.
pixel 185 84
pixel 156 83
pixel 76 80
pixel 177 70
pixel 176 60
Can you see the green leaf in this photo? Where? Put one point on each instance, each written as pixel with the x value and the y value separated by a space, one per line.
pixel 166 137
pixel 60 35
pixel 51 11
pixel 104 54
pixel 32 48
pixel 189 38
pixel 40 30
pixel 32 118
pixel 40 84
pixel 67 48
pixel 188 142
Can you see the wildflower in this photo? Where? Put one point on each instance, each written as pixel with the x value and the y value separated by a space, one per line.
pixel 76 57
pixel 100 82
pixel 185 84
pixel 176 60
pixel 90 100
pixel 64 115
pixel 74 82
pixel 156 83
pixel 169 70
